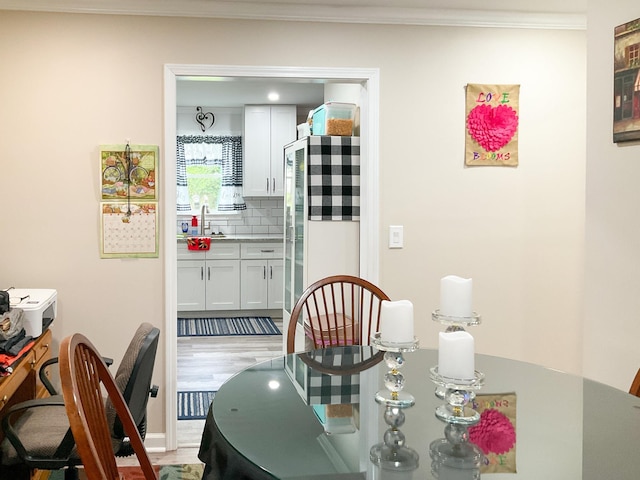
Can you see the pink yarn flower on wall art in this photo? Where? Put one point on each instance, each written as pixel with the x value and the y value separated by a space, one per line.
pixel 492 127
pixel 494 433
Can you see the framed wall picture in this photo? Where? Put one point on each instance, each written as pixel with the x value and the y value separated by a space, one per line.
pixel 138 162
pixel 626 82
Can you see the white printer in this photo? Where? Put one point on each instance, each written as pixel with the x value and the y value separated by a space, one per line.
pixel 39 305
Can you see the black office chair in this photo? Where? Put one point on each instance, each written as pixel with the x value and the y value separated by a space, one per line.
pixel 37 433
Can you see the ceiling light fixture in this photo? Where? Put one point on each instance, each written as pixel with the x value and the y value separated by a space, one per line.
pixel 273 96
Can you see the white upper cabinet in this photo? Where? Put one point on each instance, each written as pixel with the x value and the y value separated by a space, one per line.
pixel 267 129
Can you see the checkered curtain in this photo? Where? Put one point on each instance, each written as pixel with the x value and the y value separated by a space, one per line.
pixel 225 151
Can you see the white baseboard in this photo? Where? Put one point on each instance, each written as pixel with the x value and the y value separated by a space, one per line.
pixel 155 442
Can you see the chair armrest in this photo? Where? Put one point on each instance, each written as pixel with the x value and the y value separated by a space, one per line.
pixel 42 373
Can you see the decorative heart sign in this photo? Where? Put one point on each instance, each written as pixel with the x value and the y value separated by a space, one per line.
pixel 205 120
pixel 492 127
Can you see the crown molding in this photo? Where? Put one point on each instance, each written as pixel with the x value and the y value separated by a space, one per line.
pixel 308 13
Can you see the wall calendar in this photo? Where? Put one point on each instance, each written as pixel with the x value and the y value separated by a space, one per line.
pixel 129 229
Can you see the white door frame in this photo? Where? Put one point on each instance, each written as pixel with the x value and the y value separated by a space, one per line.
pixel 369 151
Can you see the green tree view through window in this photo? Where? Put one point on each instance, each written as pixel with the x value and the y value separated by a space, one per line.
pixel 204 182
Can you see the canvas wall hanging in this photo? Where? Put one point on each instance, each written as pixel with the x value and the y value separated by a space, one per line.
pixel 492 119
pixel 626 82
pixel 495 434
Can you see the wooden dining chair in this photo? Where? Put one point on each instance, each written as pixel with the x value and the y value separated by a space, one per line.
pixel 83 375
pixel 635 385
pixel 337 311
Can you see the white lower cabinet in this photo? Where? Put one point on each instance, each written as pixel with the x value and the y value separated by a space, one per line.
pixel 262 282
pixel 231 276
pixel 262 269
pixel 209 280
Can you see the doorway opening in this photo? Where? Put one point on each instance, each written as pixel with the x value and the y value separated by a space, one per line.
pixel 369 230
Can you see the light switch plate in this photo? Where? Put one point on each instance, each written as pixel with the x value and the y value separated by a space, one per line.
pixel 396 236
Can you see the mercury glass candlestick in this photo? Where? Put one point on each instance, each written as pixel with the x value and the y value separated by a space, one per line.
pixel 394 380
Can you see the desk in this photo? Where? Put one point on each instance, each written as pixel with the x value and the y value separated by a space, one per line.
pixel 261 426
pixel 24 383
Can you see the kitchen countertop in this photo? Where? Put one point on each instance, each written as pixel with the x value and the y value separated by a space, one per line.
pixel 239 238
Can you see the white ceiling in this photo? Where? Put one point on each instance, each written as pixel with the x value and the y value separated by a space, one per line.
pixel 235 92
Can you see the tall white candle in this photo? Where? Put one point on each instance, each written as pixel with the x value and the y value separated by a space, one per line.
pixel 456 296
pixel 396 321
pixel 456 355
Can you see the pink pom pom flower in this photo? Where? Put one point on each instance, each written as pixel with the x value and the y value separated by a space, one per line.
pixel 494 433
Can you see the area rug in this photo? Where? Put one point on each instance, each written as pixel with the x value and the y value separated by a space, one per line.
pixel 194 405
pixel 164 472
pixel 205 327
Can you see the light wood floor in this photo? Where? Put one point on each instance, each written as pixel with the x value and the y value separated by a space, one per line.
pixel 205 363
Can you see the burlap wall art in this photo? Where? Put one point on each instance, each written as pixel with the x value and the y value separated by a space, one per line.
pixel 492 119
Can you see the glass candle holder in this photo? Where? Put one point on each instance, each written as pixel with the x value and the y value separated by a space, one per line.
pixel 393 453
pixel 457 394
pixel 454 457
pixel 394 381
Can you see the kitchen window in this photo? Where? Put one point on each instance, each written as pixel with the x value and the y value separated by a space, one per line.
pixel 209 171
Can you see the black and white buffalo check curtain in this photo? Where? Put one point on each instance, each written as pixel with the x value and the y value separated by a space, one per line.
pixel 334 178
pixel 225 151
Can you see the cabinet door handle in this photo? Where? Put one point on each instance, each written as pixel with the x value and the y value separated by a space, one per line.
pixel 267 251
pixel 270 272
pixel 267 184
pixel 264 272
pixel 208 273
pixel 201 273
pixel 274 185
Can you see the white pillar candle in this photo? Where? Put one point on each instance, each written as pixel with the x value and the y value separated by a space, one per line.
pixel 396 321
pixel 456 296
pixel 456 355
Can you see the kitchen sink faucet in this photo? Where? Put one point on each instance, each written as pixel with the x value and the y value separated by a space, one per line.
pixel 203 211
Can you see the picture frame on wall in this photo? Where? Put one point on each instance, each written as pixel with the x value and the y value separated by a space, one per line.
pixel 626 82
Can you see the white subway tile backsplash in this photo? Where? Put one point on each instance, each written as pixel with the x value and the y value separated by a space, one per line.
pixel 261 216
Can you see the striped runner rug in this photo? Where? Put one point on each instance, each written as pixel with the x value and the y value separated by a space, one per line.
pixel 194 405
pixel 205 327
pixel 165 472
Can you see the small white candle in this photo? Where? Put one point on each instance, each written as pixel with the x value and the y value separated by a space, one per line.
pixel 456 355
pixel 456 296
pixel 396 321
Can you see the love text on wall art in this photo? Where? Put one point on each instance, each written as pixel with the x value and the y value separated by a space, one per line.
pixel 492 119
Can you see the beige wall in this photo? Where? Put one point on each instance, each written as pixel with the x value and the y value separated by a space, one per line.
pixel 73 82
pixel 612 302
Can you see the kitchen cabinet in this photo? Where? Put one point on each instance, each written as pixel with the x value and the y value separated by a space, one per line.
pixel 267 129
pixel 321 239
pixel 262 270
pixel 209 280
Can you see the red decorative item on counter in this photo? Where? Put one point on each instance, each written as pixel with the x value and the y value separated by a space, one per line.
pixel 199 243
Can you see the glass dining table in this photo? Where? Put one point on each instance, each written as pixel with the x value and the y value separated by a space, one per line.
pixel 314 416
